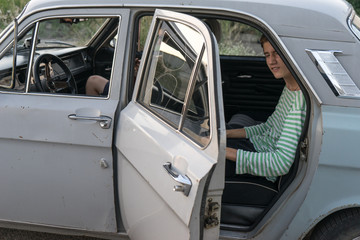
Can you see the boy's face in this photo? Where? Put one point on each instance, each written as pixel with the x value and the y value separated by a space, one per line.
pixel 274 62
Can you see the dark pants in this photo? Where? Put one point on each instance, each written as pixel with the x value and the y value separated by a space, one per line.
pixel 236 143
pixel 243 188
pixel 106 89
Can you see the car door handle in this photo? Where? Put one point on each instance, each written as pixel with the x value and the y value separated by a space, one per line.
pixel 182 179
pixel 104 121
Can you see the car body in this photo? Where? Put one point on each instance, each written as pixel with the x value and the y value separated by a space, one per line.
pixel 147 159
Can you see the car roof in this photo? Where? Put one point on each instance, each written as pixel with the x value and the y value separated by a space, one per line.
pixel 336 8
pixel 321 19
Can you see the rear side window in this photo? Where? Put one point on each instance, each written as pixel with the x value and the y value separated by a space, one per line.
pixel 235 38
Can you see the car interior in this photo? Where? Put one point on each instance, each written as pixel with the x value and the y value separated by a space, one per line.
pixel 249 89
pixel 248 86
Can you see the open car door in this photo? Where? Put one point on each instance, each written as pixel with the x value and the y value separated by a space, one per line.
pixel 171 137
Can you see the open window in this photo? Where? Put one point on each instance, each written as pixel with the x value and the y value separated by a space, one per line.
pixel 58 55
pixel 68 50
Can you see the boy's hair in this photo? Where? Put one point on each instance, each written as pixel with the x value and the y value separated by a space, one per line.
pixel 263 39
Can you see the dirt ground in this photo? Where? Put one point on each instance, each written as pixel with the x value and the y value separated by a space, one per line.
pixel 11 234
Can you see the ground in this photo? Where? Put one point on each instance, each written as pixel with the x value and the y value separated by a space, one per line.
pixel 10 234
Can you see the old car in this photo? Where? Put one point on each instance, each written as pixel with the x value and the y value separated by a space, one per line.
pixel 146 159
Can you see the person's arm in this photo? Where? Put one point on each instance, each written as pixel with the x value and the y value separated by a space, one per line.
pixel 278 162
pixel 231 154
pixel 236 133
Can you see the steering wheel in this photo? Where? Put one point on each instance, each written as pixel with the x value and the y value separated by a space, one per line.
pixel 54 81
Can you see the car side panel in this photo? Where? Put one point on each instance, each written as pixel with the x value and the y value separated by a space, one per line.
pixel 334 186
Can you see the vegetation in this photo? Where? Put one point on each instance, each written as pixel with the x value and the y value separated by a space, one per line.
pixel 356 5
pixel 9 10
pixel 76 34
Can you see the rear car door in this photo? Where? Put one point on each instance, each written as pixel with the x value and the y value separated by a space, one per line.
pixel 170 138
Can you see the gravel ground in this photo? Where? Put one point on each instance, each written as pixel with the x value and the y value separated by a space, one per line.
pixel 11 234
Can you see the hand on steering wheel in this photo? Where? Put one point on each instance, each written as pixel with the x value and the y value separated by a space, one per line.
pixel 57 83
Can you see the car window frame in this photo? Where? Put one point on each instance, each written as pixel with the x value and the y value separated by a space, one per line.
pixel 34 23
pixel 180 128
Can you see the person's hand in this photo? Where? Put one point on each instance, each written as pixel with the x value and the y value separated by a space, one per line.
pixel 136 66
pixel 231 154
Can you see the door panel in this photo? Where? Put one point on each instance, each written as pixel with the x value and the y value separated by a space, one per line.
pixel 53 169
pixel 150 153
pixel 57 170
pixel 169 124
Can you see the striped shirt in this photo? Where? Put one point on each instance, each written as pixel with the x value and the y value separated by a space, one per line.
pixel 275 140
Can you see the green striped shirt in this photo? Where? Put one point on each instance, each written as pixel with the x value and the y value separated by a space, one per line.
pixel 275 140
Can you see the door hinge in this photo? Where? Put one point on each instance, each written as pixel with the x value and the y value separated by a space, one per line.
pixel 211 216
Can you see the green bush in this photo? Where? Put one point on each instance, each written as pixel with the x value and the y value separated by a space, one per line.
pixel 356 5
pixel 9 10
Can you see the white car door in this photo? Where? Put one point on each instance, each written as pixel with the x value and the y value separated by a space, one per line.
pixel 56 171
pixel 56 154
pixel 169 140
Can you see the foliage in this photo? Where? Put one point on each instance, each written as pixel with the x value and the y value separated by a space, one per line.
pixel 77 34
pixel 9 10
pixel 238 39
pixel 356 5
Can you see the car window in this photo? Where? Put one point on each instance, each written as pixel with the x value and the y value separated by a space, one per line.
pixel 67 52
pixel 237 39
pixel 6 62
pixel 144 25
pixel 68 32
pixel 174 85
pixel 70 50
pixel 234 38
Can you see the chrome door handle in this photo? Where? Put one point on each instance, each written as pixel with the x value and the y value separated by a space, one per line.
pixel 182 179
pixel 104 121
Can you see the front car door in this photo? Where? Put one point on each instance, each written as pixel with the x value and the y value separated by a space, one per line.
pixel 170 138
pixel 56 162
